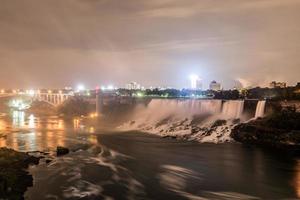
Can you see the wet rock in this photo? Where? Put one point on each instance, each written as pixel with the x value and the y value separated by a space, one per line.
pixel 60 151
pixel 219 123
pixel 279 131
pixel 195 129
pixel 48 161
pixel 14 179
pixel 236 121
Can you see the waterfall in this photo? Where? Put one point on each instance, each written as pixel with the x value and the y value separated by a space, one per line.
pixel 196 119
pixel 159 109
pixel 260 109
pixel 233 109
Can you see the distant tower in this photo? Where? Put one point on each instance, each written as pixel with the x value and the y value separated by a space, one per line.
pixel 195 82
pixel 133 86
pixel 215 86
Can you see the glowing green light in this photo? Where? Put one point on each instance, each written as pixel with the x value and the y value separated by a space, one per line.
pixel 139 94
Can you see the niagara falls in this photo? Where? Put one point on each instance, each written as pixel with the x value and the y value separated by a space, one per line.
pixel 149 100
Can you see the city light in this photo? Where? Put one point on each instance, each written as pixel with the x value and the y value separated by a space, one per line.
pixel 93 115
pixel 19 104
pixel 80 87
pixel 109 87
pixel 31 92
pixel 140 94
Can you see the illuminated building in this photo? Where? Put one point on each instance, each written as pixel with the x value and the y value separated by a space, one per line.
pixel 275 84
pixel 133 86
pixel 215 86
pixel 195 82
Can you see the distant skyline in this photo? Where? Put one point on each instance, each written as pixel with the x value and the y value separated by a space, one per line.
pixel 54 43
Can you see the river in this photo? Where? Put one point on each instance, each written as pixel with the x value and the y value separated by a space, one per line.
pixel 133 165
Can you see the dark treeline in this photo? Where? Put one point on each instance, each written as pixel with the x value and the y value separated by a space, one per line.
pixel 288 93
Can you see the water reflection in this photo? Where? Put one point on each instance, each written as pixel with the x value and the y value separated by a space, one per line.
pixel 31 123
pixel 26 132
pixel 297 179
pixel 76 123
pixel 18 118
pixel 92 129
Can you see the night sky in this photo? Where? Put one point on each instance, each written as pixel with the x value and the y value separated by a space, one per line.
pixel 57 43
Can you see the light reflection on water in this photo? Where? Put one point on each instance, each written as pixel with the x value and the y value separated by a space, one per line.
pixel 18 119
pixel 297 179
pixel 26 132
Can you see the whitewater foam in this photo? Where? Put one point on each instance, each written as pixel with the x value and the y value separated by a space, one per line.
pixel 190 119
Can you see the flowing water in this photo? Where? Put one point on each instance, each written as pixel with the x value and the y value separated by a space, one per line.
pixel 134 165
pixel 192 119
pixel 260 109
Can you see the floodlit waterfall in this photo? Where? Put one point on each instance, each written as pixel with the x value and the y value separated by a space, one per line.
pixel 260 109
pixel 233 109
pixel 160 109
pixel 192 119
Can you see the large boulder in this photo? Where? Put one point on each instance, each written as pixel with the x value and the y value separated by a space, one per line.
pixel 60 151
pixel 14 178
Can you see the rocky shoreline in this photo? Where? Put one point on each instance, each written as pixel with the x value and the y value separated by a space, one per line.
pixel 280 131
pixel 14 177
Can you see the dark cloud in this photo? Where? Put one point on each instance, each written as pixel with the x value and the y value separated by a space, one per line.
pixel 52 43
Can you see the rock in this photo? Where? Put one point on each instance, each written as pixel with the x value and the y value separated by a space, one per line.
pixel 280 131
pixel 14 178
pixel 236 121
pixel 32 160
pixel 60 151
pixel 195 130
pixel 48 161
pixel 219 123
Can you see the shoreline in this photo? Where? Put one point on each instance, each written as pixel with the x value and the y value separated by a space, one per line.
pixel 278 131
pixel 14 175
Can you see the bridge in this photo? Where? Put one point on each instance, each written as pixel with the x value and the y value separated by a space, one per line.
pixel 54 98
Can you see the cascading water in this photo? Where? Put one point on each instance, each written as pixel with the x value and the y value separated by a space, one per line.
pixel 260 109
pixel 202 120
pixel 160 109
pixel 233 109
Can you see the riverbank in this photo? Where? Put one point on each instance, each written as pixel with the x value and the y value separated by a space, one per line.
pixel 14 177
pixel 278 130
